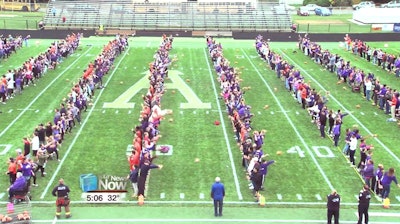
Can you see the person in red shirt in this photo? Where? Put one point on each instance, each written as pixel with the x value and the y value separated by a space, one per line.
pixel 12 170
pixel 393 104
pixel 27 146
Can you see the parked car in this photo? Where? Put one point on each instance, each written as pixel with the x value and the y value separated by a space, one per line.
pixel 366 4
pixel 392 4
pixel 322 11
pixel 303 11
pixel 311 7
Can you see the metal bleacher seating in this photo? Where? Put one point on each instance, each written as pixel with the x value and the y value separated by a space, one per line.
pixel 193 16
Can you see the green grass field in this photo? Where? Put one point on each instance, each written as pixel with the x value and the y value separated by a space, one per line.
pixel 296 185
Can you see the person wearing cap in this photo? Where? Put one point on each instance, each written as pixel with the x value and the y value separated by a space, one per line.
pixel 333 206
pixel 61 191
pixel 218 194
pixel 363 204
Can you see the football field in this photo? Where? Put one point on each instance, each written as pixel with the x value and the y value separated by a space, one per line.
pixel 297 183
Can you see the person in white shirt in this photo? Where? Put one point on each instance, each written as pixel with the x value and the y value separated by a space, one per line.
pixel 352 149
pixel 368 88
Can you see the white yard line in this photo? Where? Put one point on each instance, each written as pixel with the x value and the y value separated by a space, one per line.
pixel 39 95
pixel 221 117
pixel 291 123
pixel 341 105
pixel 49 184
pixel 205 220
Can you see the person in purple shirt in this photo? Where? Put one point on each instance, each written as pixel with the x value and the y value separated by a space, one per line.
pixel 264 169
pixel 368 172
pixel 387 179
pixel 18 186
pixel 336 133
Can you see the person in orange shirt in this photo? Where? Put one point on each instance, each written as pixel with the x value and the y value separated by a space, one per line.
pixel 12 170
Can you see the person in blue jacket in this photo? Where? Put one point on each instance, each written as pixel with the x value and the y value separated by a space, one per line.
pixel 218 194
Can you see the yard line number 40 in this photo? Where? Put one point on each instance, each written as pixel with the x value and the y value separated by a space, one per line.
pixel 320 151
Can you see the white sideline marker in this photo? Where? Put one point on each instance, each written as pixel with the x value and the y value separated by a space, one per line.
pixel 381 214
pixel 299 197
pixel 181 112
pixel 207 112
pixel 279 196
pixel 297 113
pixel 50 111
pixel 194 112
pixel 356 196
pixel 36 111
pixel 398 198
pixel 129 112
pixel 162 195
pixel 375 113
pixel 362 113
pixel 2 195
pixel 318 197
pixel 104 111
pixel 182 195
pixel 116 111
pixel 259 112
pixel 201 196
pixel 272 112
pixel 11 110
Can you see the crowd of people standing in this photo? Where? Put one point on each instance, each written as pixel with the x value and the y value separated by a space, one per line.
pixel 146 134
pixel 45 142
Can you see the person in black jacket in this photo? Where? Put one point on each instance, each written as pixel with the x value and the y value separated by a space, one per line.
pixel 133 177
pixel 363 204
pixel 61 191
pixel 333 205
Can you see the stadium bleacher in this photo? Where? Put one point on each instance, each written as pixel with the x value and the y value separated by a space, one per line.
pixel 193 16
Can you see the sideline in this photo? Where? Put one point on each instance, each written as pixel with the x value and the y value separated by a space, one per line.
pixel 221 117
pixel 41 93
pixel 215 220
pixel 81 128
pixel 341 105
pixel 291 123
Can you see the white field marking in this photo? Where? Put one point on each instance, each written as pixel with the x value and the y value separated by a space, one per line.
pixel 37 96
pixel 207 112
pixel 284 111
pixel 201 195
pixel 297 203
pixel 7 148
pixel 194 112
pixel 129 111
pixel 148 44
pixel 381 214
pixel 398 198
pixel 104 111
pixel 356 196
pixel 375 113
pixel 141 220
pixel 54 221
pixel 221 117
pixel 318 197
pixel 50 183
pixel 279 196
pixel 297 113
pixel 10 110
pixel 362 113
pixel 117 111
pixel 25 109
pixel 162 195
pixel 181 112
pixel 2 195
pixel 299 197
pixel 36 111
pixel 342 106
pixel 50 111
pixel 181 195
pixel 291 124
pixel 259 112
pixel 272 112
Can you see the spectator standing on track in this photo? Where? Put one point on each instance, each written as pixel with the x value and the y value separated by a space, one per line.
pixel 333 205
pixel 363 204
pixel 386 181
pixel 218 194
